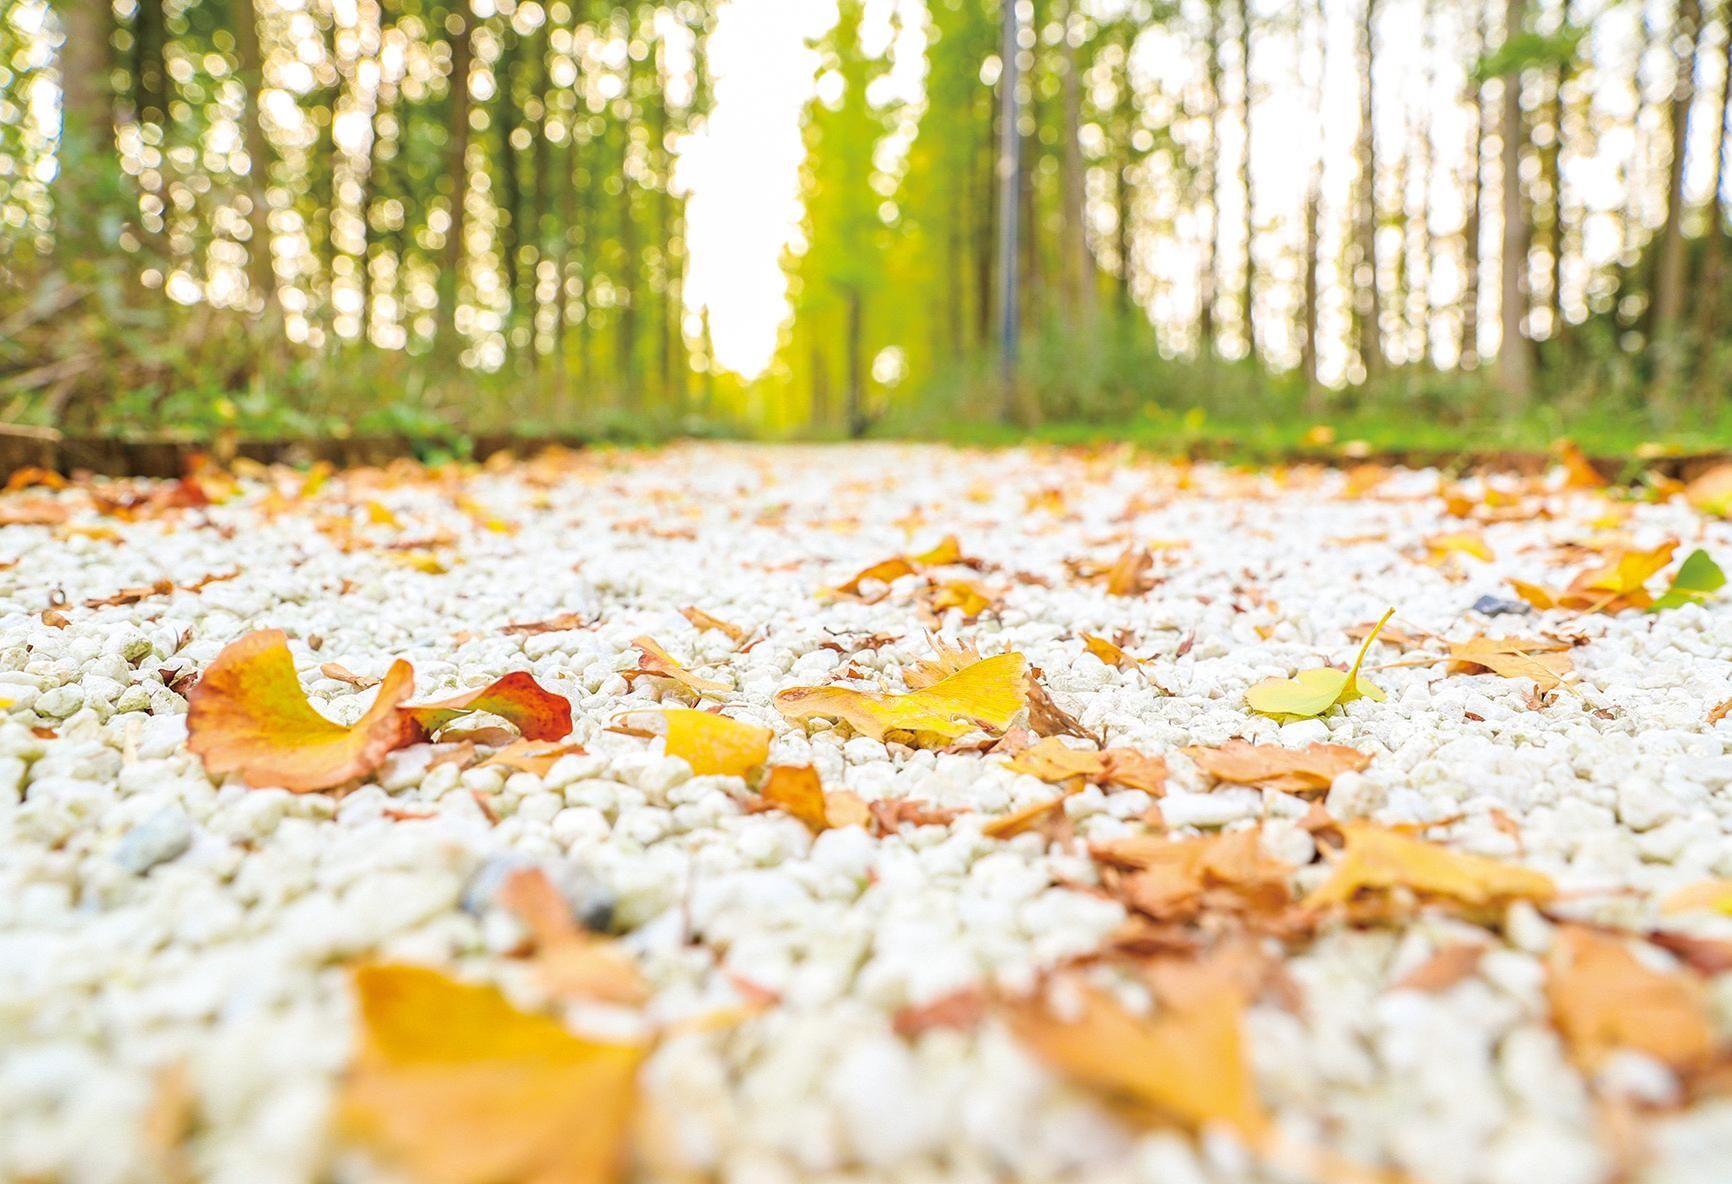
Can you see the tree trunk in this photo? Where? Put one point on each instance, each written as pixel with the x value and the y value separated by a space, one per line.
pixel 457 169
pixel 1714 253
pixel 149 79
pixel 856 364
pixel 1552 169
pixel 1474 184
pixel 1514 352
pixel 1078 265
pixel 1248 287
pixel 1671 275
pixel 1210 184
pixel 88 178
pixel 1368 302
pixel 250 72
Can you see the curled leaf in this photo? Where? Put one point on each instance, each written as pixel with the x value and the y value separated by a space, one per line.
pixel 247 714
pixel 797 789
pixel 985 695
pixel 517 698
pixel 459 1087
pixel 1291 770
pixel 1310 693
pixel 661 664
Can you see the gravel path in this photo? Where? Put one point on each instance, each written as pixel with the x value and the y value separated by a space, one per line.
pixel 162 935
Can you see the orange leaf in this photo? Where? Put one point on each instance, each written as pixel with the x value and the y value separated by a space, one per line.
pixel 570 961
pixel 1186 1063
pixel 533 756
pixel 702 620
pixel 517 698
pixel 248 714
pixel 460 1087
pixel 1603 998
pixel 1291 770
pixel 797 789
pixel 661 664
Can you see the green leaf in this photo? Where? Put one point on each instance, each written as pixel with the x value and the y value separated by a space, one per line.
pixel 1698 578
pixel 1310 693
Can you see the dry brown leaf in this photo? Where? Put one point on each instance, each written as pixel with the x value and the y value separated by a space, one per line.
pixel 457 1086
pixel 533 756
pixel 1447 966
pixel 1720 712
pixel 1008 826
pixel 1311 769
pixel 340 673
pixel 889 814
pixel 561 623
pixel 1053 761
pixel 702 620
pixel 1604 998
pixel 1129 574
pixel 1172 879
pixel 570 961
pixel 1047 718
pixel 55 619
pixel 1546 662
pixel 659 663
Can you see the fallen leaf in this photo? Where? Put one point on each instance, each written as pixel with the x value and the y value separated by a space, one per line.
pixel 1129 574
pixel 962 1010
pixel 570 961
pixel 949 660
pixel 532 756
pixel 1713 896
pixel 967 598
pixel 1172 879
pixel 702 620
pixel 1447 966
pixel 1440 547
pixel 984 695
pixel 559 623
pixel 1720 712
pixel 1712 491
pixel 55 619
pixel 1697 578
pixel 1109 653
pixel 1376 859
pixel 537 713
pixel 797 790
pixel 132 595
pixel 1603 999
pixel 1310 693
pixel 660 664
pixel 1579 471
pixel 714 744
pixel 888 814
pixel 946 552
pixel 1291 770
pixel 1055 762
pixel 1546 662
pixel 1186 1063
pixel 340 673
pixel 459 1087
pixel 1008 826
pixel 1046 717
pixel 248 714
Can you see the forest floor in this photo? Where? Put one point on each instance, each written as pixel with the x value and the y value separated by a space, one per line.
pixel 1002 843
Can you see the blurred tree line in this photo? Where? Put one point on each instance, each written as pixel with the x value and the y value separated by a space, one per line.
pixel 292 214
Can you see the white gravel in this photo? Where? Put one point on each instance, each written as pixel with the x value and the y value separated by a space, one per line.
pixel 152 921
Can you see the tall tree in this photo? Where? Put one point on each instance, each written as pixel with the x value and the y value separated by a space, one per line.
pixel 1368 301
pixel 460 34
pixel 1514 351
pixel 1671 275
pixel 87 186
pixel 250 71
pixel 1248 286
pixel 1473 183
pixel 1714 253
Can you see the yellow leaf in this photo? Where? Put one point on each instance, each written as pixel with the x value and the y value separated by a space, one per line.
pixel 1109 653
pixel 1053 760
pixel 459 1087
pixel 1708 896
pixel 1310 693
pixel 1604 999
pixel 1377 859
pixel 1712 491
pixel 1187 1063
pixel 1629 570
pixel 702 620
pixel 1442 546
pixel 986 696
pixel 1579 471
pixel 949 659
pixel 248 714
pixel 715 744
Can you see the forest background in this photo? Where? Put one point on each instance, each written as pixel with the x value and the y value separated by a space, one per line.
pixel 1416 222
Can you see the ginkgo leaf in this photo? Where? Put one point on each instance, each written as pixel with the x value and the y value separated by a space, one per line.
pixel 985 695
pixel 797 789
pixel 247 714
pixel 713 744
pixel 457 1086
pixel 1579 471
pixel 1546 662
pixel 1187 1063
pixel 1441 547
pixel 1054 761
pixel 1629 570
pixel 661 664
pixel 1604 998
pixel 1129 574
pixel 1614 586
pixel 967 598
pixel 1290 770
pixel 1376 859
pixel 517 698
pixel 1310 693
pixel 886 571
pixel 1109 653
pixel 1169 877
pixel 1697 578
pixel 949 659
pixel 570 961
